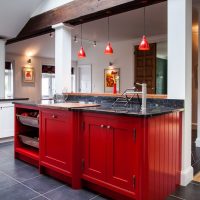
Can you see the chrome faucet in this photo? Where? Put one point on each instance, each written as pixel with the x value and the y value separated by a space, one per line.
pixel 144 96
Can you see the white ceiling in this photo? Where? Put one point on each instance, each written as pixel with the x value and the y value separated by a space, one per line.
pixel 125 26
pixel 128 25
pixel 14 14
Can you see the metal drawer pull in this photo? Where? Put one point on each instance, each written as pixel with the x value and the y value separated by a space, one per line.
pixel 108 127
pixel 102 126
pixel 54 116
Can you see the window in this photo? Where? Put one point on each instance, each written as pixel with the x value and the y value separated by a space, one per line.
pixel 8 80
pixel 48 81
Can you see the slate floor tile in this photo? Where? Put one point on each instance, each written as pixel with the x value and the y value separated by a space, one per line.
pixel 12 164
pixel 66 193
pixel 100 198
pixel 42 184
pixel 174 198
pixel 17 192
pixel 23 173
pixel 191 192
pixel 39 198
pixel 6 181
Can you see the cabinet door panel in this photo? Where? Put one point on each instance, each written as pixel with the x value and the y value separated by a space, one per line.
pixel 56 140
pixel 95 148
pixel 122 159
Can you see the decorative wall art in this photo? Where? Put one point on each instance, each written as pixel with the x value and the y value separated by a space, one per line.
pixel 28 75
pixel 112 80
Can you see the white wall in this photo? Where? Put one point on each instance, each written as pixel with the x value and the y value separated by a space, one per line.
pixel 48 5
pixel 30 90
pixel 122 58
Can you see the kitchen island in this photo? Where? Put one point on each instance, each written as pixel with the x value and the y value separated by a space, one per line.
pixel 120 152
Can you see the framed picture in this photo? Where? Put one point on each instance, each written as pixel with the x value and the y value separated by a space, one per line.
pixel 111 76
pixel 28 75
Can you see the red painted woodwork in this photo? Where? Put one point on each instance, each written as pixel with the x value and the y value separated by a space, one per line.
pixel 136 157
pixel 28 154
pixel 108 145
pixel 94 148
pixel 120 156
pixel 56 140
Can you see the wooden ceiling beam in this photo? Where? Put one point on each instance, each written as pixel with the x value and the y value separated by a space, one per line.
pixel 77 12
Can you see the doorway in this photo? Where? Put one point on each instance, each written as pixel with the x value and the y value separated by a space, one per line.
pixel 84 80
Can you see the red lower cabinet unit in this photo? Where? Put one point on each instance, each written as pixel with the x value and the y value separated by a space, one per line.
pixel 132 157
pixel 123 157
pixel 56 141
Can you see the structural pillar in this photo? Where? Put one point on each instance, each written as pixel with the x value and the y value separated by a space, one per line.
pixel 180 73
pixel 198 104
pixel 62 58
pixel 2 68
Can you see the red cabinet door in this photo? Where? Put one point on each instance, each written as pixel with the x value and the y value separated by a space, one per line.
pixel 122 162
pixel 56 139
pixel 95 145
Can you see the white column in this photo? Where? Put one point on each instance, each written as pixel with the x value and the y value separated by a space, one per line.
pixel 2 68
pixel 198 105
pixel 62 57
pixel 180 72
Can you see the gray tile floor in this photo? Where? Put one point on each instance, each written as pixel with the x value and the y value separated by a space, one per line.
pixel 20 181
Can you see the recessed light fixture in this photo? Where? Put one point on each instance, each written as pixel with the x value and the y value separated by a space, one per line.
pixel 51 35
pixel 94 43
pixel 75 39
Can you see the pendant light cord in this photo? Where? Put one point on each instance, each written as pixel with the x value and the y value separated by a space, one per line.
pixel 144 56
pixel 108 29
pixel 144 22
pixel 81 35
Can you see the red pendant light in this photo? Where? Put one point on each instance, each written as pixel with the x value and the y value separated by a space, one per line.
pixel 144 45
pixel 81 53
pixel 109 49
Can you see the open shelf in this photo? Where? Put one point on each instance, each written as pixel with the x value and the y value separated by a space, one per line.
pixel 28 121
pixel 29 152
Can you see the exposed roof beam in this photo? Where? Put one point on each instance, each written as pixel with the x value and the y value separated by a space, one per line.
pixel 76 12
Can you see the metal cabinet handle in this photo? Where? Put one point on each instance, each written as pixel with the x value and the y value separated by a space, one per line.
pixel 108 127
pixel 102 126
pixel 54 116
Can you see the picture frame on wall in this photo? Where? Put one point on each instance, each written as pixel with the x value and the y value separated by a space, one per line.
pixel 28 75
pixel 111 76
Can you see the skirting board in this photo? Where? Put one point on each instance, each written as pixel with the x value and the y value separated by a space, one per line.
pixel 186 176
pixel 7 139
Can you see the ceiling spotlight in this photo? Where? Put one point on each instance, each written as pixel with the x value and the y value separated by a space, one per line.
pixel 51 35
pixel 29 61
pixel 94 43
pixel 75 39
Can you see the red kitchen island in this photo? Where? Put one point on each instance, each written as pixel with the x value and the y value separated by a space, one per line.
pixel 123 155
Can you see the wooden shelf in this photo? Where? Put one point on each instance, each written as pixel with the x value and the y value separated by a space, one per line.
pixel 29 152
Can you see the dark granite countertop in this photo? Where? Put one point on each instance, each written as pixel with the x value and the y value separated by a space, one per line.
pixel 34 103
pixel 132 110
pixel 13 99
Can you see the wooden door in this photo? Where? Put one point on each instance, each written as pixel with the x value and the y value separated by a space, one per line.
pixel 56 140
pixel 145 68
pixel 123 160
pixel 94 151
